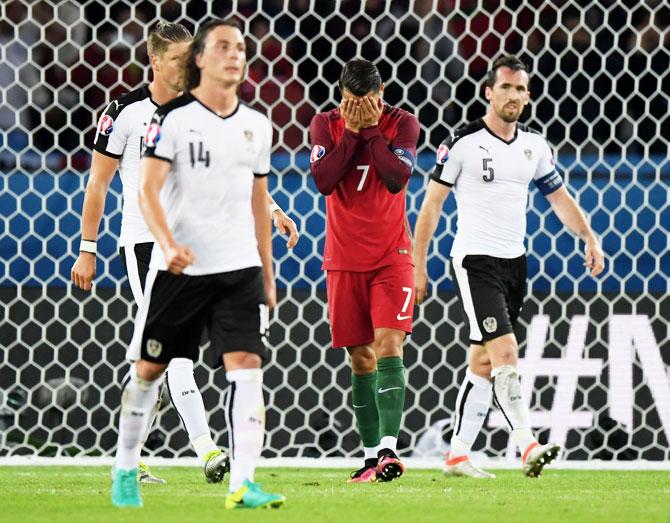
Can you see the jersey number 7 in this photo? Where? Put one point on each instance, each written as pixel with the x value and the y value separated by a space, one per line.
pixel 365 169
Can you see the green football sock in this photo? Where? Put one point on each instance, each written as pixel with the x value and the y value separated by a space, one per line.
pixel 390 394
pixel 365 407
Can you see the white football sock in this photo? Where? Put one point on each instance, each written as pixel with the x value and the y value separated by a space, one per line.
pixel 186 398
pixel 137 399
pixel 388 442
pixel 472 405
pixel 245 414
pixel 153 415
pixel 371 452
pixel 509 398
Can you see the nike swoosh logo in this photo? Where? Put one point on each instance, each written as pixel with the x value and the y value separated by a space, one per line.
pixel 359 406
pixel 382 391
pixel 401 318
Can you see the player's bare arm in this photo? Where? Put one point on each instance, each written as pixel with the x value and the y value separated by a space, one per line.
pixel 570 214
pixel 426 223
pixel 283 222
pixel 263 228
pixel 102 171
pixel 152 178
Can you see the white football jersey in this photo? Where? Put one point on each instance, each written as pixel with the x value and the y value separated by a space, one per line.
pixel 207 193
pixel 490 178
pixel 119 134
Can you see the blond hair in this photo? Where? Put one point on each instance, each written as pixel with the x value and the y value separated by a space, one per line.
pixel 164 34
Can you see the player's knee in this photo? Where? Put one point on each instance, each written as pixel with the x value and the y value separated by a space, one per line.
pixel 148 370
pixel 503 351
pixel 481 369
pixel 363 359
pixel 389 345
pixel 241 360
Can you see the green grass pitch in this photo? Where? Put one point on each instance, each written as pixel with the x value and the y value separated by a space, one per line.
pixel 82 494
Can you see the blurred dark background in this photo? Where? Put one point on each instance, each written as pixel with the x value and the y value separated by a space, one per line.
pixel 600 72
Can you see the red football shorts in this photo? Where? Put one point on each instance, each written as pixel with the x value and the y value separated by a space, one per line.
pixel 360 302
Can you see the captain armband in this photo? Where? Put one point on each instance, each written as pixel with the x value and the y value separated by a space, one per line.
pixel 549 183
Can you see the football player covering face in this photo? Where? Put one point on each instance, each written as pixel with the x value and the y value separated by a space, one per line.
pixel 361 112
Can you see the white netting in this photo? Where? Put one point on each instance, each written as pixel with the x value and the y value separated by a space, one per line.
pixel 596 363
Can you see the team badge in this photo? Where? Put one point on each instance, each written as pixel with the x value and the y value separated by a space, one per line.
pixel 528 153
pixel 106 125
pixel 153 135
pixel 490 324
pixel 154 348
pixel 249 136
pixel 317 153
pixel 442 153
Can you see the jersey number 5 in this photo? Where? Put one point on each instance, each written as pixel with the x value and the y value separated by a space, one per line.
pixel 485 165
pixel 365 169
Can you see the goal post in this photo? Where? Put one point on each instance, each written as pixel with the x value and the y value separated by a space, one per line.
pixel 595 362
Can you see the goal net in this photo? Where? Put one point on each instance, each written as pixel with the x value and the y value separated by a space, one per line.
pixel 595 354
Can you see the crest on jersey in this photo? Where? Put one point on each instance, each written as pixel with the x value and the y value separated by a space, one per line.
pixel 153 135
pixel 249 136
pixel 442 153
pixel 317 153
pixel 106 125
pixel 490 324
pixel 154 348
pixel 528 154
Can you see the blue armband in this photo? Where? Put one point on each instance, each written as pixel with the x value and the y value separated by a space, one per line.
pixel 549 183
pixel 404 156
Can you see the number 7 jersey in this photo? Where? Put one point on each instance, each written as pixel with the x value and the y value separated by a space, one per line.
pixel 366 224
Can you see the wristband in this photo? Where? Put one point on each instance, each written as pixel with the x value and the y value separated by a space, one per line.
pixel 88 246
pixel 274 207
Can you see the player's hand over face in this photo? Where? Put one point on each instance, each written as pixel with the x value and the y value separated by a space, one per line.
pixel 350 113
pixel 83 271
pixel 420 284
pixel 286 226
pixel 594 257
pixel 178 257
pixel 371 111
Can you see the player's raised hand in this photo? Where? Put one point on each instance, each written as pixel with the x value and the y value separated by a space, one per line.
pixel 420 284
pixel 285 225
pixel 594 257
pixel 83 271
pixel 178 257
pixel 351 114
pixel 371 111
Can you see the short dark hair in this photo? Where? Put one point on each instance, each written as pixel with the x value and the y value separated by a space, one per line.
pixel 359 77
pixel 508 60
pixel 198 44
pixel 164 34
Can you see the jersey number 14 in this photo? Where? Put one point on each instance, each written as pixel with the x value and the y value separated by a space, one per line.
pixel 203 156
